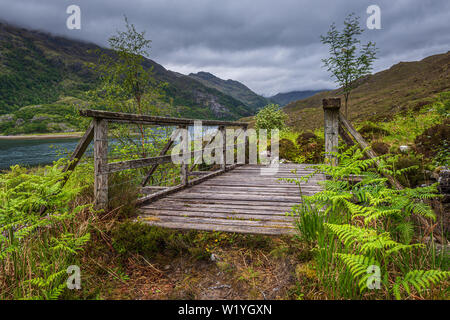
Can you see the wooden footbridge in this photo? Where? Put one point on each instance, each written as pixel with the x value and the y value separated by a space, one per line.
pixel 239 200
pixel 235 197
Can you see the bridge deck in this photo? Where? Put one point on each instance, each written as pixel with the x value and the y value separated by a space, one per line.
pixel 241 200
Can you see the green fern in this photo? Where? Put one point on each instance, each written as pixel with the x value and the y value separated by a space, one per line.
pixel 419 279
pixel 358 266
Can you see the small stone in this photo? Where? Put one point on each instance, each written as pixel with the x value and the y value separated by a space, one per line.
pixel 404 148
pixel 214 258
pixel 167 267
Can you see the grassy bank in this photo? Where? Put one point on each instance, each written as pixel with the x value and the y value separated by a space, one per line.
pixel 44 136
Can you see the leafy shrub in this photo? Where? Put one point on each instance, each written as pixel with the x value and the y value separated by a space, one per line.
pixel 288 150
pixel 135 237
pixel 270 117
pixel 415 175
pixel 380 148
pixel 311 147
pixel 305 138
pixel 371 131
pixel 431 140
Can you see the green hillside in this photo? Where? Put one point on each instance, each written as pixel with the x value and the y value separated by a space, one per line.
pixel 47 73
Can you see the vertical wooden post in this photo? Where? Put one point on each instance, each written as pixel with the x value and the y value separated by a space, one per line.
pixel 100 163
pixel 331 127
pixel 186 155
pixel 246 146
pixel 223 165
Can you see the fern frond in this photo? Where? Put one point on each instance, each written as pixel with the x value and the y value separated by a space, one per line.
pixel 419 279
pixel 358 266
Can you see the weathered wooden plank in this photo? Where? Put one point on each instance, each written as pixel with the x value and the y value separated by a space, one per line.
pixel 331 127
pixel 236 197
pixel 184 165
pixel 119 116
pixel 220 221
pixel 137 163
pixel 152 189
pixel 243 189
pixel 293 192
pixel 345 136
pixel 198 173
pixel 263 181
pixel 365 146
pixel 81 147
pixel 222 228
pixel 100 161
pixel 234 203
pixel 220 205
pixel 217 209
pixel 238 215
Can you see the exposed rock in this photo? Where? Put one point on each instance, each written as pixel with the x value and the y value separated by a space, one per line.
pixel 19 122
pixel 6 118
pixel 214 258
pixel 39 118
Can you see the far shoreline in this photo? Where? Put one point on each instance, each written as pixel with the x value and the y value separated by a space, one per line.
pixel 49 136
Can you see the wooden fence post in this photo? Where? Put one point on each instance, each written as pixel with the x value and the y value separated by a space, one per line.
pixel 223 165
pixel 331 127
pixel 185 163
pixel 100 163
pixel 246 146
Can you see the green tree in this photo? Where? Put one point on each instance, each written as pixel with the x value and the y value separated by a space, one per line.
pixel 349 60
pixel 271 117
pixel 127 84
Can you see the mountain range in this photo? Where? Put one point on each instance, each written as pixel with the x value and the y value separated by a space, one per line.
pixel 285 98
pixel 38 69
pixel 42 78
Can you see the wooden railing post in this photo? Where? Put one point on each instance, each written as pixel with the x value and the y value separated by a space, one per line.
pixel 331 127
pixel 100 163
pixel 246 146
pixel 223 165
pixel 185 162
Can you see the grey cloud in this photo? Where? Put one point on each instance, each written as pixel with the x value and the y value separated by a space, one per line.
pixel 270 46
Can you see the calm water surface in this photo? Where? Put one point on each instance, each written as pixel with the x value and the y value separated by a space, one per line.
pixel 34 152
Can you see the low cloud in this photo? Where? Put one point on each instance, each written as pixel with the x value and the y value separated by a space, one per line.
pixel 271 46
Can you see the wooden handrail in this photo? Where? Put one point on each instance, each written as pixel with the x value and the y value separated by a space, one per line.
pixel 146 119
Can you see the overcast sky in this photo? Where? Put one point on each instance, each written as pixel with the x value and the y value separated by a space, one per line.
pixel 269 45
